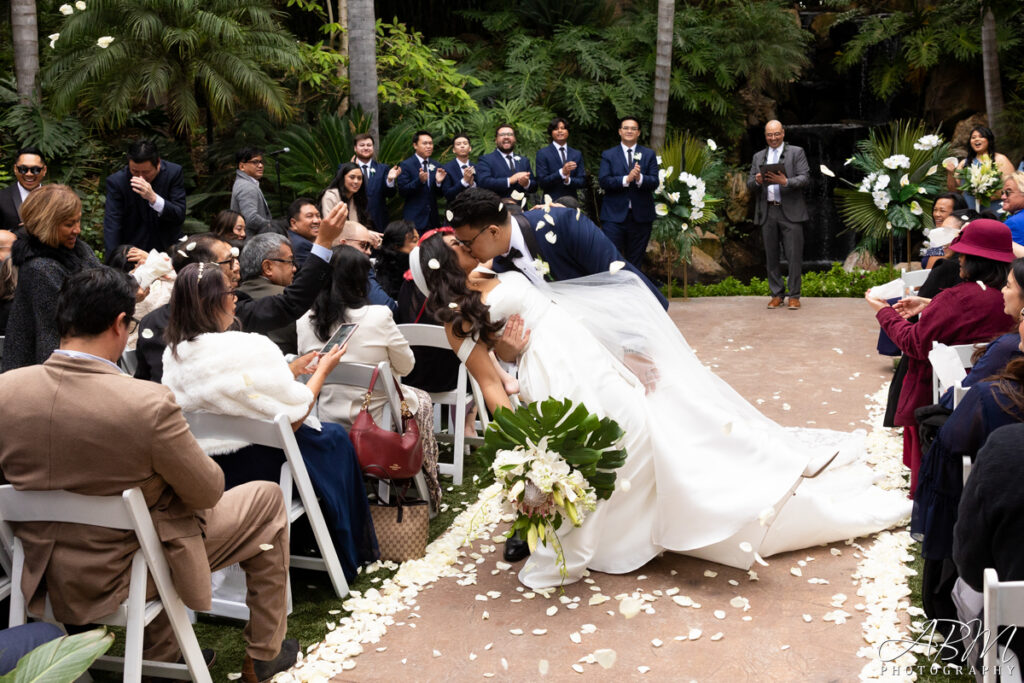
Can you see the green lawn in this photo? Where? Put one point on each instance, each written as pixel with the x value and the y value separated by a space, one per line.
pixel 915 597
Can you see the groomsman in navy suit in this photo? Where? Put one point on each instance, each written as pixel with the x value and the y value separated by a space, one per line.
pixel 628 176
pixel 503 171
pixel 378 179
pixel 461 175
pixel 560 170
pixel 420 183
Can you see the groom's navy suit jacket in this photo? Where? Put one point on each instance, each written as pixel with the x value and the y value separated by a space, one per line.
pixel 420 198
pixel 580 247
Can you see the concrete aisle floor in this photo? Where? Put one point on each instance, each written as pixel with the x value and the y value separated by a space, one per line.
pixel 812 367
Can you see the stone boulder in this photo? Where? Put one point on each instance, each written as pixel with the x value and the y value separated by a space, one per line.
pixel 862 260
pixel 954 91
pixel 962 133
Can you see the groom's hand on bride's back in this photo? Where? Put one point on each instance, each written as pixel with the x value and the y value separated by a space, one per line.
pixel 513 340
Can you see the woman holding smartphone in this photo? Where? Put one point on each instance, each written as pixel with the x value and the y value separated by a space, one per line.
pixel 377 338
pixel 210 367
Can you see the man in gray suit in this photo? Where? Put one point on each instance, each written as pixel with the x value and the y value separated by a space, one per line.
pixel 247 197
pixel 780 211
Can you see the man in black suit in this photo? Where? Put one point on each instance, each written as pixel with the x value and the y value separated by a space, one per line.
pixel 780 211
pixel 29 170
pixel 560 171
pixel 378 179
pixel 145 201
pixel 503 171
pixel 461 174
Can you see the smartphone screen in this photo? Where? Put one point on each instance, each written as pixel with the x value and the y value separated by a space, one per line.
pixel 340 336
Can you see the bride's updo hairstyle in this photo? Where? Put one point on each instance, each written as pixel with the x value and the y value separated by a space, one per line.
pixel 447 285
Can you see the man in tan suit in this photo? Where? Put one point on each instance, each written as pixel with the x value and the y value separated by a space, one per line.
pixel 77 423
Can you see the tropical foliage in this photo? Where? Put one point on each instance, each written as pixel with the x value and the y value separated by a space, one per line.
pixel 189 56
pixel 688 166
pixel 62 660
pixel 903 175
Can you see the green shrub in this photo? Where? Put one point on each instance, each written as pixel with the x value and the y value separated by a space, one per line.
pixel 832 283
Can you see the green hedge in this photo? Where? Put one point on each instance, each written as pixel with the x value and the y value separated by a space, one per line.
pixel 831 283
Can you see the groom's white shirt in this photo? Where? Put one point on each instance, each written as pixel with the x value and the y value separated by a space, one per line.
pixel 523 262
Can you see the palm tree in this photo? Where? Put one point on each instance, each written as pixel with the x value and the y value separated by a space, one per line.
pixel 25 36
pixel 662 70
pixel 362 66
pixel 990 69
pixel 119 56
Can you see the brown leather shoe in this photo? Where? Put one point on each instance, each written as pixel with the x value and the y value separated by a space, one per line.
pixel 256 671
pixel 776 302
pixel 794 303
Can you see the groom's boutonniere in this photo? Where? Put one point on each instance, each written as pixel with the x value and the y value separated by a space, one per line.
pixel 431 168
pixel 542 267
pixel 373 171
pixel 517 159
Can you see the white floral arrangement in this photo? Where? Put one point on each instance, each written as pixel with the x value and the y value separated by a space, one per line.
pixel 902 177
pixel 984 180
pixel 553 461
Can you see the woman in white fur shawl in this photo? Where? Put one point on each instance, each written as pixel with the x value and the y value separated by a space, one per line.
pixel 235 373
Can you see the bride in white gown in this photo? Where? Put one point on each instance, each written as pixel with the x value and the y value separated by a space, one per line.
pixel 708 475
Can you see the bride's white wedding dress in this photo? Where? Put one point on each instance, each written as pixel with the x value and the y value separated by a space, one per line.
pixel 706 469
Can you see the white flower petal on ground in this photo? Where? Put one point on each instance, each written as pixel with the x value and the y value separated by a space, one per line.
pixel 105 41
pixel 719 614
pixel 551 611
pixel 629 607
pixel 808 618
pixel 540 631
pixel 740 603
pixel 605 657
pixel 516 631
pixel 643 669
pixel 710 573
pixel 694 634
pixel 718 636
pixel 437 653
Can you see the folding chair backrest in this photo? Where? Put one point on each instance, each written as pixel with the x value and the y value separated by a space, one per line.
pixel 1004 606
pixel 914 278
pixel 275 433
pixel 965 353
pixel 360 374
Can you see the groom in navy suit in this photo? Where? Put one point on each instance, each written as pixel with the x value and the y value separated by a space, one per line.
pixel 628 176
pixel 379 180
pixel 560 171
pixel 503 171
pixel 571 247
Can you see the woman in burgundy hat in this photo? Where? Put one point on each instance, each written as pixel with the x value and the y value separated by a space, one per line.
pixel 969 312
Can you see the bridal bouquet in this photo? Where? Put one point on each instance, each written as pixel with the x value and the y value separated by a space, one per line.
pixel 902 177
pixel 554 460
pixel 984 180
pixel 682 200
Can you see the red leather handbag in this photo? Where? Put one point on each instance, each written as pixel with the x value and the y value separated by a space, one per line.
pixel 381 450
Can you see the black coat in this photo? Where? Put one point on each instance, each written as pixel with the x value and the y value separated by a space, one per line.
pixel 31 334
pixel 254 315
pixel 10 208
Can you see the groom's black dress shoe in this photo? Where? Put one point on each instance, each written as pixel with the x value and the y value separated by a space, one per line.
pixel 515 549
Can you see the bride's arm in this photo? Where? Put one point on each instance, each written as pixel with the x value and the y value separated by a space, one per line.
pixel 480 366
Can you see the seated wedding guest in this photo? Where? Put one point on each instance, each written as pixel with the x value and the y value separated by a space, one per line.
pixel 127 258
pixel 348 187
pixel 400 238
pixel 267 267
pixel 303 224
pixel 981 149
pixel 254 315
pixel 8 283
pixel 229 225
pixel 969 312
pixel 1013 205
pixel 7 239
pixel 990 521
pixel 1004 348
pixel 356 235
pixel 345 300
pixel 947 212
pixel 227 372
pixel 47 252
pixel 989 405
pixel 76 423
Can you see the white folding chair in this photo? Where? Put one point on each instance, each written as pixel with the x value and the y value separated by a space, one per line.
pixel 128 361
pixel 129 512
pixel 1004 605
pixel 434 336
pixel 914 278
pixel 359 375
pixel 277 433
pixel 964 353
